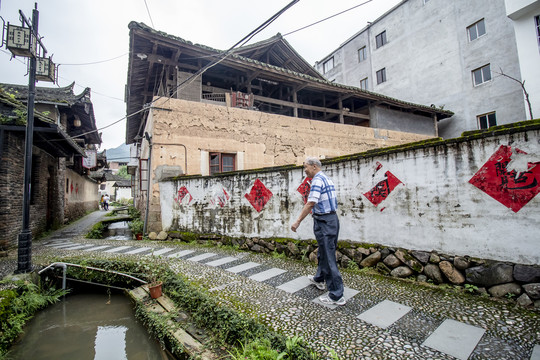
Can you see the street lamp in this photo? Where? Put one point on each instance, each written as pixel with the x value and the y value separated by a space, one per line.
pixel 23 41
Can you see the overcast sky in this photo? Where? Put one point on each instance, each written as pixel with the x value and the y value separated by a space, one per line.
pixel 77 32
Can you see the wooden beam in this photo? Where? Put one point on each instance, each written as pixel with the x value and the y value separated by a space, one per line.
pixel 309 107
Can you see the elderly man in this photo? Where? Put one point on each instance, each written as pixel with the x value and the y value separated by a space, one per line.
pixel 323 203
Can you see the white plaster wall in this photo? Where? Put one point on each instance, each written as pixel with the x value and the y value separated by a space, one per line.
pixel 435 207
pixel 528 47
pixel 429 59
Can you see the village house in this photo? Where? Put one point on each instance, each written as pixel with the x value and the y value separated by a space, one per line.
pixel 65 138
pixel 261 106
pixel 455 47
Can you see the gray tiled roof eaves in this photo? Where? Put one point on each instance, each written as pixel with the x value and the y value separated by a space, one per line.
pixel 357 90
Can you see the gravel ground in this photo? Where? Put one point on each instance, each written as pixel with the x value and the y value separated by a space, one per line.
pixel 511 332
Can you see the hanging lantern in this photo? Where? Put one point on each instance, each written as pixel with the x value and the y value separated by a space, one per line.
pixel 21 41
pixel 45 69
pixel 77 121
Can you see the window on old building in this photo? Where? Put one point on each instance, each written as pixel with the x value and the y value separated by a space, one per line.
pixel 381 76
pixel 362 54
pixel 363 84
pixel 380 39
pixel 220 162
pixel 481 75
pixel 486 121
pixel 476 30
pixel 328 65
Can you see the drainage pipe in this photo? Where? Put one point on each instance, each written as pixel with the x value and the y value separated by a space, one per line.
pixel 65 265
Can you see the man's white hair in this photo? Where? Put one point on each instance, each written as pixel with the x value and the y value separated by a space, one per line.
pixel 311 160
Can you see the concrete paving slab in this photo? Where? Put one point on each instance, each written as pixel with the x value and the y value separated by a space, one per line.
pixel 63 245
pixel 117 249
pixel 222 261
pixel 201 257
pixel 295 285
pixel 536 353
pixel 78 247
pixel 243 267
pixel 267 274
pixel 181 253
pixel 384 313
pixel 455 338
pixel 161 252
pixel 96 248
pixel 347 294
pixel 58 242
pixel 138 250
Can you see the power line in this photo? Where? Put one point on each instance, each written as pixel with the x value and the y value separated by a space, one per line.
pixel 96 62
pixel 331 16
pixel 150 16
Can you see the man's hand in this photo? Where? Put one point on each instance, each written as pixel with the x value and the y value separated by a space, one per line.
pixel 295 226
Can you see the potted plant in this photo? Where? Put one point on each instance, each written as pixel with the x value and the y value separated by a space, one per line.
pixel 137 226
pixel 155 285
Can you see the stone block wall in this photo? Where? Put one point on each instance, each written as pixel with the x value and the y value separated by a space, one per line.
pixel 46 209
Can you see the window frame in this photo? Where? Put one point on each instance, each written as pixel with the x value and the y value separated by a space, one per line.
pixel 482 72
pixel 221 156
pixel 383 39
pixel 537 25
pixel 487 120
pixel 365 81
pixel 362 54
pixel 381 79
pixel 325 65
pixel 475 27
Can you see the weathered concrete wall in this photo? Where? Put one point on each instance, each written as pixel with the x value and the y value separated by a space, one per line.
pixel 257 139
pixel 81 195
pixel 427 198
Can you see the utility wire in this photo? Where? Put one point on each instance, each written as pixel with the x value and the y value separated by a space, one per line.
pixel 150 16
pixel 202 70
pixel 331 16
pixel 96 62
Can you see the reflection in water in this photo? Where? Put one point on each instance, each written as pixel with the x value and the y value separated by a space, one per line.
pixel 87 326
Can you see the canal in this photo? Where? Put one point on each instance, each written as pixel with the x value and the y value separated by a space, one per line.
pixel 95 326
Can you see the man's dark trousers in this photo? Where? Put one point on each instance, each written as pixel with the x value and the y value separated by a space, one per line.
pixel 326 229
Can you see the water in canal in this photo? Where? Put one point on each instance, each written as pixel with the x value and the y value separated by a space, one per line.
pixel 118 231
pixel 87 326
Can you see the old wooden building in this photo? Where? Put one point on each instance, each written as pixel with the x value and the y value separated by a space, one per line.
pixel 207 111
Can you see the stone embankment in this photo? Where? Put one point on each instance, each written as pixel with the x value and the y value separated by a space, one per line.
pixel 480 276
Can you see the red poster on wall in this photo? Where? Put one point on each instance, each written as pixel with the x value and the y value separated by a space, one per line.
pixel 383 188
pixel 259 195
pixel 512 189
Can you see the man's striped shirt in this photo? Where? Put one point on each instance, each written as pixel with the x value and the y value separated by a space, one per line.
pixel 323 194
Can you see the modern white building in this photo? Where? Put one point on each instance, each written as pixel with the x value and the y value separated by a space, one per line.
pixel 525 15
pixel 447 54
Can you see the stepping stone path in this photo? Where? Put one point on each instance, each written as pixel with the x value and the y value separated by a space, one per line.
pixel 451 337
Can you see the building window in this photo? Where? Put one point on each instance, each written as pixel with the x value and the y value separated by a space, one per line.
pixel 481 75
pixel 363 84
pixel 537 22
pixel 328 65
pixel 221 163
pixel 362 54
pixel 381 76
pixel 476 30
pixel 380 39
pixel 487 120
